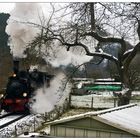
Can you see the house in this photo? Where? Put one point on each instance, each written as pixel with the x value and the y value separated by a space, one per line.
pixel 123 121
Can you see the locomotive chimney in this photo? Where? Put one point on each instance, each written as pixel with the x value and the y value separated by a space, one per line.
pixel 15 65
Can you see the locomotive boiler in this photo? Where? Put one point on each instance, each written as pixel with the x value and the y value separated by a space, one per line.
pixel 20 88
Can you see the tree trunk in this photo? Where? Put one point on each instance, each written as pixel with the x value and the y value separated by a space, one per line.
pixel 92 16
pixel 124 96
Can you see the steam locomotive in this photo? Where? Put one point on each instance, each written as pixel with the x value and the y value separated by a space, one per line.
pixel 20 88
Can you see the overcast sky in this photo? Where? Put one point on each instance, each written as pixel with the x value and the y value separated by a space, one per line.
pixel 7 5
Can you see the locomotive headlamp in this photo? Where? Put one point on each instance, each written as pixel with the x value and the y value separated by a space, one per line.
pixel 14 75
pixel 24 94
pixel 1 95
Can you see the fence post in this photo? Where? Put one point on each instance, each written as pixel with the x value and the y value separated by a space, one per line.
pixel 115 101
pixel 15 131
pixel 46 116
pixel 34 124
pixel 92 102
pixel 69 100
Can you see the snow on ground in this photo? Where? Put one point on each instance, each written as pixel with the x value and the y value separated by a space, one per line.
pixel 29 135
pixel 46 130
pixel 8 119
pixel 96 101
pixel 100 100
pixel 28 123
pixel 135 92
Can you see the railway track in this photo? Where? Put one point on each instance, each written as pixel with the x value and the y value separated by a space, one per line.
pixel 5 115
pixel 8 119
pixel 15 125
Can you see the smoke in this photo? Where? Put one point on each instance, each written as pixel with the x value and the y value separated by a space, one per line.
pixel 58 55
pixel 47 98
pixel 20 32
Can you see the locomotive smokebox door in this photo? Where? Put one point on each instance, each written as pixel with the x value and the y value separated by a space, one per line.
pixel 15 66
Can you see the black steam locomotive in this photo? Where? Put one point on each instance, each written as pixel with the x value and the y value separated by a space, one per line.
pixel 20 88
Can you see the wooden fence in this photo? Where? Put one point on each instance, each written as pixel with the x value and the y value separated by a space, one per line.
pixel 97 101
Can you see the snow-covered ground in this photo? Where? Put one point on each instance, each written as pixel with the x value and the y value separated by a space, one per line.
pixel 8 119
pixel 28 123
pixel 135 93
pixel 100 100
pixel 28 135
pixel 95 101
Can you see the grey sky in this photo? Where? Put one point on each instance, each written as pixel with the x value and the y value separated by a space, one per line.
pixel 6 7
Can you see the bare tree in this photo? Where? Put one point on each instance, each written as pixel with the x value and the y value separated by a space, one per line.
pixel 104 23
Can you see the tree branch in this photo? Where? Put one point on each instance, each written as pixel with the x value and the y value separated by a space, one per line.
pixel 103 39
pixel 130 55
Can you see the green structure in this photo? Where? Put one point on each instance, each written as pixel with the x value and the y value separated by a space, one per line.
pixel 103 87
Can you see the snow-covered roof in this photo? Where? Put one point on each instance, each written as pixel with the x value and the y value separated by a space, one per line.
pixel 83 79
pixel 91 79
pixel 108 83
pixel 106 79
pixel 125 117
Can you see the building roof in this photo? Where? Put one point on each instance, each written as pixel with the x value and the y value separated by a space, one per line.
pixel 91 79
pixel 125 117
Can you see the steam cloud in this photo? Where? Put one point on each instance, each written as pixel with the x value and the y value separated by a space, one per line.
pixel 47 98
pixel 58 55
pixel 22 33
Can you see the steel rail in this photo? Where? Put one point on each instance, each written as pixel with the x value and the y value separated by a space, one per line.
pixel 10 122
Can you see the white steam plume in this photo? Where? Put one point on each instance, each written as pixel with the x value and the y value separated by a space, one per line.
pixel 20 32
pixel 58 55
pixel 47 98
